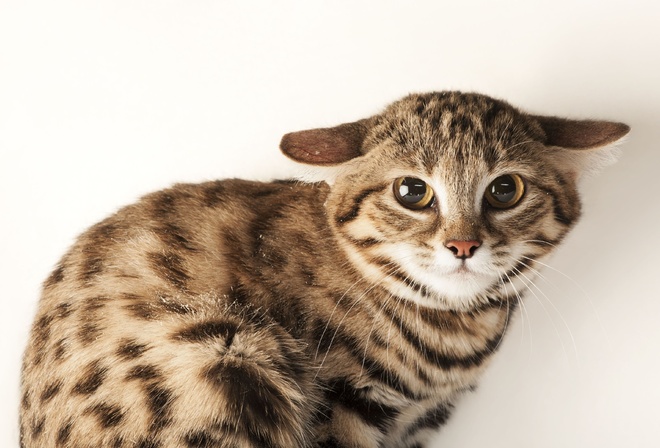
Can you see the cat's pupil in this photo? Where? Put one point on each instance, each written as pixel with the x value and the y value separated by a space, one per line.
pixel 503 189
pixel 412 190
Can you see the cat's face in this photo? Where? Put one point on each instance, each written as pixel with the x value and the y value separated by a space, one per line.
pixel 452 198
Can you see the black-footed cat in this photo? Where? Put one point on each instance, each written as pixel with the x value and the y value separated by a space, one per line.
pixel 350 313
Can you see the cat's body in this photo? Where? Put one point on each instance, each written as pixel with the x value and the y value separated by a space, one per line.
pixel 246 314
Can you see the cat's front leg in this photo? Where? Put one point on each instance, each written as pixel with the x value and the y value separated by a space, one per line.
pixel 362 418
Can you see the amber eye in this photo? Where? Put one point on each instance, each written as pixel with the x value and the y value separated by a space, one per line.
pixel 413 193
pixel 505 191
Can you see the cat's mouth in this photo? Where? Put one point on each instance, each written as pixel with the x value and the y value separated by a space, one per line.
pixel 468 277
pixel 463 270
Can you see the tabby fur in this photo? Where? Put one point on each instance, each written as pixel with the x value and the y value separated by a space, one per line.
pixel 290 314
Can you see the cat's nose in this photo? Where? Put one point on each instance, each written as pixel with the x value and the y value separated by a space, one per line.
pixel 463 249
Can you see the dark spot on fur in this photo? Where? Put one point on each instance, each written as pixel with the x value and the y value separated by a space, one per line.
pixel 64 434
pixel 143 310
pixel 130 349
pixel 163 204
pixel 93 304
pixel 118 442
pixel 208 330
pixel 101 237
pixel 63 310
pixel 169 266
pixel 92 379
pixel 148 443
pixel 330 442
pixel 160 402
pixel 38 427
pixel 238 298
pixel 108 415
pixel 60 349
pixel 495 110
pixel 309 276
pixel 144 373
pixel 260 400
pixel 433 419
pixel 25 401
pixel 174 237
pixel 89 332
pixel 371 412
pixel 42 329
pixel 199 439
pixel 105 231
pixel 55 277
pixel 39 355
pixel 130 296
pixel 51 390
pixel 92 265
pixel 214 194
pixel 264 191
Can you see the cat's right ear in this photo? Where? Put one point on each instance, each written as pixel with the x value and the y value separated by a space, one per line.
pixel 326 146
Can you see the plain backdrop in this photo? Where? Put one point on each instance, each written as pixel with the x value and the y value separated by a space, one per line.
pixel 104 101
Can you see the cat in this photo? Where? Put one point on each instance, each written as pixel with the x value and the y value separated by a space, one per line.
pixel 346 313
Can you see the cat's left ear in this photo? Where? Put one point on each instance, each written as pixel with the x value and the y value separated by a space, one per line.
pixel 590 144
pixel 581 134
pixel 326 146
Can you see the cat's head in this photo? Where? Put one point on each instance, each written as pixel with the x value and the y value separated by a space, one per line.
pixel 447 199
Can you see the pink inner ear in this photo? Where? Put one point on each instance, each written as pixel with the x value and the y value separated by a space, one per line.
pixel 325 146
pixel 581 134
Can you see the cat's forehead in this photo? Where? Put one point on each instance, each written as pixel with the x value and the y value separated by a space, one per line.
pixel 456 128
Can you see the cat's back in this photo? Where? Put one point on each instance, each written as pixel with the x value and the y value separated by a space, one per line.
pixel 182 240
pixel 104 351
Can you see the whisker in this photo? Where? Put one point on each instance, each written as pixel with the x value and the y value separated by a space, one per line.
pixel 393 266
pixel 583 292
pixel 540 241
pixel 529 282
pixel 523 313
pixel 318 346
pixel 375 320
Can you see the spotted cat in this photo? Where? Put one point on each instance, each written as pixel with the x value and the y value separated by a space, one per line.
pixel 346 313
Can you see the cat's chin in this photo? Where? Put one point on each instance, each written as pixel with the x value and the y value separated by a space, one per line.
pixel 458 289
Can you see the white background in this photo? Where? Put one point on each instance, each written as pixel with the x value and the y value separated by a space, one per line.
pixel 103 101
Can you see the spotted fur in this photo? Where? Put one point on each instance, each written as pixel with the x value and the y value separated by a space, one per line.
pixel 288 314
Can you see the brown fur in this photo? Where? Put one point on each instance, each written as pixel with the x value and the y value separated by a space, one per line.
pixel 246 314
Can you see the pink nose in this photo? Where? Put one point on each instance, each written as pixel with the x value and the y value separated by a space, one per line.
pixel 462 249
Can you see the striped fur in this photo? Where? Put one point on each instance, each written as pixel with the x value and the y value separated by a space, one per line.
pixel 285 314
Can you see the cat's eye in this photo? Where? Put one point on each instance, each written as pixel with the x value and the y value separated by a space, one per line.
pixel 413 193
pixel 505 191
